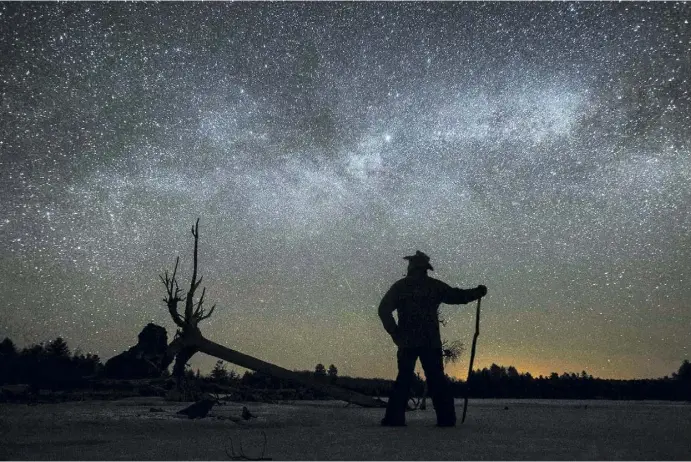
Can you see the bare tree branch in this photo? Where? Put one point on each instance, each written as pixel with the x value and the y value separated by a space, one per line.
pixel 173 293
pixel 232 455
pixel 207 315
pixel 199 309
pixel 189 306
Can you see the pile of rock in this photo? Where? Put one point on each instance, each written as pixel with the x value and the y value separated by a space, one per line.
pixel 142 361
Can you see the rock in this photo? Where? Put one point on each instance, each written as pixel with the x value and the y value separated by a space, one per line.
pixel 14 392
pixel 246 414
pixel 199 409
pixel 144 360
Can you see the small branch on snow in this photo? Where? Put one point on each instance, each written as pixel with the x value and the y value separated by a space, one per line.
pixel 232 455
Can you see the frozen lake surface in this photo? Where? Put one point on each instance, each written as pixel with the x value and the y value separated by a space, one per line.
pixel 308 430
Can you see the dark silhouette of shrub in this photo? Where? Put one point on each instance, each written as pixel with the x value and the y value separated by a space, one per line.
pixel 319 371
pixel 332 372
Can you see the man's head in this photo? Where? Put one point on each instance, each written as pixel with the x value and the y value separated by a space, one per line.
pixel 419 261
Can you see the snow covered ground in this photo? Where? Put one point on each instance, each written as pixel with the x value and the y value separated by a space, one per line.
pixel 528 429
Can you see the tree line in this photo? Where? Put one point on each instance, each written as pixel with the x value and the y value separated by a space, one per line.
pixel 502 382
pixel 52 365
pixel 48 365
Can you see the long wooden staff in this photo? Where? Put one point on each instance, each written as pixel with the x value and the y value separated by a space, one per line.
pixel 472 358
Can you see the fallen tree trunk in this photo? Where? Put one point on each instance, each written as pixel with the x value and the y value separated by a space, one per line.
pixel 189 339
pixel 214 349
pixel 194 341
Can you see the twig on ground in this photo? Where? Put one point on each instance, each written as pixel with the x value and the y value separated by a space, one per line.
pixel 232 455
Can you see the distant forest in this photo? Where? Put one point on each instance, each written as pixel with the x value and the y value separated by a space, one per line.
pixel 52 366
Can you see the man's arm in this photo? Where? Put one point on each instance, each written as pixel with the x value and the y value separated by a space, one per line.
pixel 386 309
pixel 456 296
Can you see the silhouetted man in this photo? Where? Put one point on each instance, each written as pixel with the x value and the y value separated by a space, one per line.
pixel 417 298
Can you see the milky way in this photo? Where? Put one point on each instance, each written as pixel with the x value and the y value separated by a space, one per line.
pixel 540 149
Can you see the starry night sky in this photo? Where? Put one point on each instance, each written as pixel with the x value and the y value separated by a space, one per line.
pixel 540 149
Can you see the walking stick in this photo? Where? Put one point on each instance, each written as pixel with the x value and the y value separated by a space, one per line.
pixel 472 358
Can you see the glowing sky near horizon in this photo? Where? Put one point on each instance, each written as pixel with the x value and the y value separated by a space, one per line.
pixel 540 149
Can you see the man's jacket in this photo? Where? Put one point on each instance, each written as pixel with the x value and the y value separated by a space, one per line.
pixel 417 299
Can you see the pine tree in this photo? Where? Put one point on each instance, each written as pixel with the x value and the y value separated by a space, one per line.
pixel 320 370
pixel 332 373
pixel 59 348
pixel 8 361
pixel 219 372
pixel 684 372
pixel 7 347
pixel 35 350
pixel 683 380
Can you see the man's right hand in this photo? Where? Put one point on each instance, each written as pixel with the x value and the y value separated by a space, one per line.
pixel 482 290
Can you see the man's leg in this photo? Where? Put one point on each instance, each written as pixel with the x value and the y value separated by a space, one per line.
pixel 439 387
pixel 395 409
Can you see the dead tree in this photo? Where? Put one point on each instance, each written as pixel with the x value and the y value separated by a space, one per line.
pixel 183 346
pixel 189 339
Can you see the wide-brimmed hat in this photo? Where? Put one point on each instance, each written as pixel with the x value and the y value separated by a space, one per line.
pixel 420 260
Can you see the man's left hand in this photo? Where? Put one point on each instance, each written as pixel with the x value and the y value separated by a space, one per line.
pixel 482 290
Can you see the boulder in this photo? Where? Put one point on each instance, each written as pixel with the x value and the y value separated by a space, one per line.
pixel 10 393
pixel 198 410
pixel 142 361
